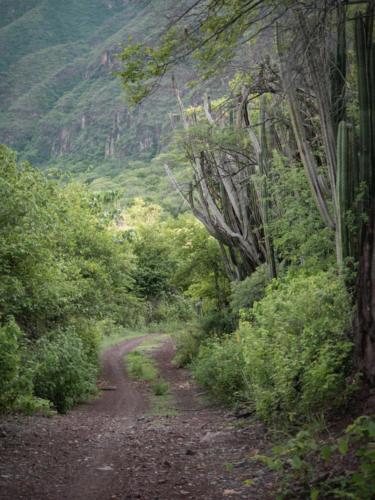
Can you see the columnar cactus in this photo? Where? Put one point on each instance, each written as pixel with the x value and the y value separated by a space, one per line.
pixel 355 164
pixel 264 159
pixel 365 53
pixel 346 186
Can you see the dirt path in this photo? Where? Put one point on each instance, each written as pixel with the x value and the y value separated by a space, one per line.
pixel 113 448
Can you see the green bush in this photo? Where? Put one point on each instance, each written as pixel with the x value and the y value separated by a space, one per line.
pixel 187 345
pixel 13 383
pixel 62 269
pixel 217 322
pixel 299 236
pixel 172 308
pixel 64 370
pixel 220 368
pixel 89 332
pixel 250 290
pixel 291 357
pixel 16 371
pixel 295 349
pixel 58 258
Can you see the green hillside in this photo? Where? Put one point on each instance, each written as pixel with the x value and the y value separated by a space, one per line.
pixel 61 104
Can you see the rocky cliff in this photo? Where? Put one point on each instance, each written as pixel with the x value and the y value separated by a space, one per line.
pixel 59 97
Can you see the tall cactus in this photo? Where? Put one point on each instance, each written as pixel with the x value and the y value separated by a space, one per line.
pixel 264 159
pixel 355 166
pixel 346 189
pixel 338 71
pixel 365 311
pixel 365 53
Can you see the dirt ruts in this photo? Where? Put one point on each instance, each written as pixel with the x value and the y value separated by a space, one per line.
pixel 114 447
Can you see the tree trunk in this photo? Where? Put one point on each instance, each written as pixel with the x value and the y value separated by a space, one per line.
pixel 364 323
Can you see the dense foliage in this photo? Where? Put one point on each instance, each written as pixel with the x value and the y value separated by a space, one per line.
pixel 295 348
pixel 290 357
pixel 65 371
pixel 61 271
pixel 177 264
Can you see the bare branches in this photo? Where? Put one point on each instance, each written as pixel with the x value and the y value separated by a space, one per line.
pixel 225 194
pixel 305 150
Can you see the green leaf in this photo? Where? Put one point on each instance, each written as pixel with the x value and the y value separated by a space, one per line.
pixel 248 482
pixel 296 462
pixel 343 446
pixel 314 494
pixel 371 428
pixel 326 452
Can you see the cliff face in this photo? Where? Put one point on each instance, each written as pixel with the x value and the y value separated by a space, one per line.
pixel 59 98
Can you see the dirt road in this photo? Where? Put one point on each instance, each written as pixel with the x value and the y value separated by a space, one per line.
pixel 116 447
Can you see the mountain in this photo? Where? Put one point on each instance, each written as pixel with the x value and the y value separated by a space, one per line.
pixel 61 104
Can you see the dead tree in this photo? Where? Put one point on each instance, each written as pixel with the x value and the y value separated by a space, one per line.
pixel 227 193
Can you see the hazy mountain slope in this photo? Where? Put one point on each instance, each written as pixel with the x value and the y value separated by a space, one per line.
pixel 61 106
pixel 58 95
pixel 52 22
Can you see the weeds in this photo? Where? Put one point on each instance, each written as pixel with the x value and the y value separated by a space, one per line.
pixel 315 468
pixel 141 366
pixel 160 387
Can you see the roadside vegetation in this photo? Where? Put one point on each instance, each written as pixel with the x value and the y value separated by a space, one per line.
pixel 62 274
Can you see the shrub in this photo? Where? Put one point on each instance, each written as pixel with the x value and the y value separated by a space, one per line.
pixel 299 236
pixel 58 258
pixel 61 270
pixel 168 308
pixel 295 348
pixel 13 383
pixel 250 290
pixel 65 372
pixel 173 308
pixel 16 387
pixel 216 322
pixel 187 345
pixel 220 368
pixel 89 333
pixel 291 358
